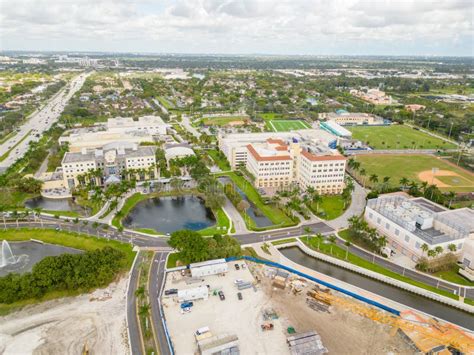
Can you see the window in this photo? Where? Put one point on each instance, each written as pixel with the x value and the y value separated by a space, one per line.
pixel 417 245
pixel 397 232
pixel 387 226
pixel 407 238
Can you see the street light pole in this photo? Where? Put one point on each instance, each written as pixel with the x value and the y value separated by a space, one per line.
pixel 449 136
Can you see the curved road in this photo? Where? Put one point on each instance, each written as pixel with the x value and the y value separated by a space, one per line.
pixel 159 244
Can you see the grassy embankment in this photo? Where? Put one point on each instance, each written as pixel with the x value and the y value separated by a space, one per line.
pixel 275 215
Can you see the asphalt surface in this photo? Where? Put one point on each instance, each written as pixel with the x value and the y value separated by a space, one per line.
pixel 38 122
pixel 156 281
pixel 132 316
pixel 157 274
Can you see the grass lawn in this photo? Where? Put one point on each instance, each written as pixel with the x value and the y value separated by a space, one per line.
pixel 397 137
pixel 284 241
pixel 271 116
pixel 409 166
pixel 166 103
pixel 68 239
pixel 224 120
pixel 287 125
pixel 277 216
pixel 453 276
pixel 331 206
pixel 172 260
pixel 219 159
pixel 340 253
pixel 221 226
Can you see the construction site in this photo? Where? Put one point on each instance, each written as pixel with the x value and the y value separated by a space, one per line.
pixel 253 308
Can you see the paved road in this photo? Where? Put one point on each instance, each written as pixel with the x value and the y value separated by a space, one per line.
pixel 356 208
pixel 38 123
pixel 156 281
pixel 132 317
pixel 160 243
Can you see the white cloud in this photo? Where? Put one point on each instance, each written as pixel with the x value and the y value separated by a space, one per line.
pixel 239 26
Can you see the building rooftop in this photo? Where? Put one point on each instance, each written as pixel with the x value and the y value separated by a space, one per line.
pixel 92 154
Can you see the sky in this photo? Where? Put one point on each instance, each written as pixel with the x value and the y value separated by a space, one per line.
pixel 284 27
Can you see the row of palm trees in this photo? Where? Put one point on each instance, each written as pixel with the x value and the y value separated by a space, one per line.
pixel 432 253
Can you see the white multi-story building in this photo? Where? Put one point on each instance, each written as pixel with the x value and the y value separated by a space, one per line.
pixel 146 129
pixel 351 118
pixel 408 223
pixel 276 164
pixel 234 145
pixel 112 160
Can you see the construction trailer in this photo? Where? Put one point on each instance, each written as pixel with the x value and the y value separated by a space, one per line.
pixel 306 343
pixel 196 293
pixel 210 267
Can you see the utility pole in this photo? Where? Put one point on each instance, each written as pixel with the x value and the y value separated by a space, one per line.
pixel 450 129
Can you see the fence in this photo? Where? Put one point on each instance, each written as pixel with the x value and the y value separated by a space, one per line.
pixel 321 282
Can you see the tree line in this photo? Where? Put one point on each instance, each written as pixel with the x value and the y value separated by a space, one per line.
pixel 66 272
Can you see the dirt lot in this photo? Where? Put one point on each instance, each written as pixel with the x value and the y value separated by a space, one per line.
pixel 63 326
pixel 342 331
pixel 231 316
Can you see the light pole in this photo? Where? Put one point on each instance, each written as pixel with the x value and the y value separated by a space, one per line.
pixel 450 129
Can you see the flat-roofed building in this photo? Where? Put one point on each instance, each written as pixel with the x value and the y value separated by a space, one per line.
pixel 108 164
pixel 345 118
pixel 408 223
pixel 277 164
pixel 271 163
pixel 234 145
pixel 150 124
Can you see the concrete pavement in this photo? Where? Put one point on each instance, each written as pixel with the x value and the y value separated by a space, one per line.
pixel 357 207
pixel 134 336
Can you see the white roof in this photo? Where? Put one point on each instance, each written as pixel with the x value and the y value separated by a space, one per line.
pixel 206 263
pixel 174 152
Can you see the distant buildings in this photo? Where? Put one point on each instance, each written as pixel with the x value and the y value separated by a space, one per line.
pixel 414 107
pixel 408 223
pixel 374 96
pixel 108 164
pixel 345 118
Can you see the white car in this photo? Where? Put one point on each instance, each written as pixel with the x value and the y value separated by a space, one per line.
pixel 238 281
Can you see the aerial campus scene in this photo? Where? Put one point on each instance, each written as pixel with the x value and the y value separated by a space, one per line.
pixel 236 177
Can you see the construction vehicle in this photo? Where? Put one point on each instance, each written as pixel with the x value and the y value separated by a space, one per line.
pixel 267 326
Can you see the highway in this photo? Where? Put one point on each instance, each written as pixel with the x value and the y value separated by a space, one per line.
pixel 38 122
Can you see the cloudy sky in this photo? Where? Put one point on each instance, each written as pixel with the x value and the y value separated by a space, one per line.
pixel 397 27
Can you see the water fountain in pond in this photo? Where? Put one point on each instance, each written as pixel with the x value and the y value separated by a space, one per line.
pixel 6 256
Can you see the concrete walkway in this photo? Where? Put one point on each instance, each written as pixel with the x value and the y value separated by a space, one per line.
pixel 357 207
pixel 235 216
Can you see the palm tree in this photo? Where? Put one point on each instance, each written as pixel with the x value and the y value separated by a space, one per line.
pixel 144 310
pixel 317 199
pixel 404 182
pixel 425 248
pixel 424 185
pixel 320 237
pixel 347 243
pixel 452 248
pixel 385 182
pixel 374 179
pixel 140 292
pixel 439 250
pixel 431 253
pixel 363 173
pixel 308 231
pixel 451 195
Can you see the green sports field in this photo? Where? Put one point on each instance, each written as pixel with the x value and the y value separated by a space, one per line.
pixel 397 137
pixel 287 125
pixel 418 168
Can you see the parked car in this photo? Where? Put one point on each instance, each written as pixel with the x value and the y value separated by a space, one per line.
pixel 238 281
pixel 239 296
pixel 171 291
pixel 244 266
pixel 237 267
pixel 221 295
pixel 186 305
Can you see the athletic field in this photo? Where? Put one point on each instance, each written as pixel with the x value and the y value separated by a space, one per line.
pixel 446 176
pixel 397 137
pixel 287 125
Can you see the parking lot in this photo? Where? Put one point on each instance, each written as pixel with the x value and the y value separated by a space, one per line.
pixel 231 316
